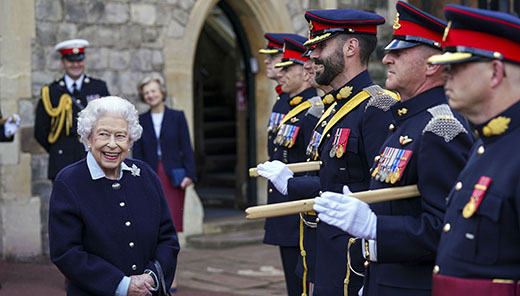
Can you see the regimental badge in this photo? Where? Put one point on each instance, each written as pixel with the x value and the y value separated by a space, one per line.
pixel 446 31
pixel 283 47
pixel 296 100
pixel 391 165
pixel 294 120
pixel 403 140
pixel 310 27
pixel 496 126
pixel 476 197
pixel 344 92
pixel 396 25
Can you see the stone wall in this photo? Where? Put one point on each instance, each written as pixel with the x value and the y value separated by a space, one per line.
pixel 130 39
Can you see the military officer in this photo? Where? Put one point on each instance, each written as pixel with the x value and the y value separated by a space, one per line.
pixel 347 136
pixel 428 145
pixel 478 250
pixel 273 55
pixel 56 112
pixel 290 143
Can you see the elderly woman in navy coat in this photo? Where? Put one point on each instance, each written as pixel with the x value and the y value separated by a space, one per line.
pixel 109 221
pixel 165 144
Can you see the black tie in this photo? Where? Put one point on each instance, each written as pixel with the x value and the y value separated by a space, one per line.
pixel 75 91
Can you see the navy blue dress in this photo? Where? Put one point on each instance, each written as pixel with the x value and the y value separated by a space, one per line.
pixel 428 146
pixel 99 232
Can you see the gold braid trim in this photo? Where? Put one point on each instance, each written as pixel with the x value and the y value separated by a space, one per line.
pixel 304 254
pixel 59 115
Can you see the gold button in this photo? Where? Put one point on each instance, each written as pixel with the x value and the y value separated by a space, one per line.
pixel 447 227
pixel 366 264
pixel 391 127
pixel 131 244
pixel 278 98
pixel 320 193
pixel 436 269
pixel 127 223
pixel 458 186
pixel 270 190
pixel 116 186
pixel 122 204
pixel 275 149
pixel 317 220
pixel 328 136
pixel 134 267
pixel 481 150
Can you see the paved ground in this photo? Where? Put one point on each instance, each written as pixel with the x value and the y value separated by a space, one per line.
pixel 247 270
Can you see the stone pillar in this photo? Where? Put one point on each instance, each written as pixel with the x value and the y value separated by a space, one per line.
pixel 19 211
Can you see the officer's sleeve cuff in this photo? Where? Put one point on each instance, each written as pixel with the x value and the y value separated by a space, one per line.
pixel 152 274
pixel 122 288
pixel 370 250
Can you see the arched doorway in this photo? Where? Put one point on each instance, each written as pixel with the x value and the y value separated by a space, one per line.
pixel 224 105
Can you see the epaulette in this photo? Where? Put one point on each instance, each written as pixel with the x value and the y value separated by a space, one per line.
pixel 316 108
pixel 380 98
pixel 443 123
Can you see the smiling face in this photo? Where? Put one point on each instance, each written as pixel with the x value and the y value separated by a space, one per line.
pixel 291 78
pixel 109 143
pixel 152 94
pixel 328 56
pixel 73 69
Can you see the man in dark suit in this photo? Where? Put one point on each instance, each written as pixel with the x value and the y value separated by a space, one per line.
pixel 55 123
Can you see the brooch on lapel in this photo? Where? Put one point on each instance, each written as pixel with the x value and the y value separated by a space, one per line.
pixel 136 172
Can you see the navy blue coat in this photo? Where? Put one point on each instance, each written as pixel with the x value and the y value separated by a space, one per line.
pixel 408 230
pixel 368 124
pixel 174 140
pixel 66 149
pixel 486 244
pixel 92 225
pixel 284 230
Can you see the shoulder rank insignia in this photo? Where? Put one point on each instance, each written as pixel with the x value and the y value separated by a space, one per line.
pixel 380 98
pixel 328 99
pixel 496 126
pixel 316 108
pixel 443 123
pixel 476 197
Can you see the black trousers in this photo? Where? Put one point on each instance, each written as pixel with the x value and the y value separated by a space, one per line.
pixel 289 261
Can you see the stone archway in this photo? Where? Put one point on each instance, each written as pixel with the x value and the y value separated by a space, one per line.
pixel 257 17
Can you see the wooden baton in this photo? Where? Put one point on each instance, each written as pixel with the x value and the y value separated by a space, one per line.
pixel 305 205
pixel 297 167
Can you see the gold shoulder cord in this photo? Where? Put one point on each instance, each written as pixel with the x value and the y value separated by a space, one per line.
pixel 59 115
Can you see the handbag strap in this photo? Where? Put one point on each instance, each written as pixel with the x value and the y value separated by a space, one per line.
pixel 163 291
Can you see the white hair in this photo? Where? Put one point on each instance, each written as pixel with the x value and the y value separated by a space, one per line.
pixel 111 105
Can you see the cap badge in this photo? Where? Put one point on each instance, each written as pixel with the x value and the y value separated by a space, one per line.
pixel 310 26
pixel 446 30
pixel 396 25
pixel 496 126
pixel 75 50
pixel 403 140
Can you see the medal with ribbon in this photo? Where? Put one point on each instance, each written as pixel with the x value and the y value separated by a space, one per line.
pixel 476 197
pixel 343 139
pixel 332 152
pixel 293 136
pixel 401 162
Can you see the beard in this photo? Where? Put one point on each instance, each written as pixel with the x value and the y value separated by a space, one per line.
pixel 332 67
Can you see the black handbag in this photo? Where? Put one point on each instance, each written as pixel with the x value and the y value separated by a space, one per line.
pixel 163 290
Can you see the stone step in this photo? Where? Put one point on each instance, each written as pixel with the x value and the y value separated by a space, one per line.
pixel 226 240
pixel 233 223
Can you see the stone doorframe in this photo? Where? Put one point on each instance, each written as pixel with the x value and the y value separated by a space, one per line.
pixel 257 17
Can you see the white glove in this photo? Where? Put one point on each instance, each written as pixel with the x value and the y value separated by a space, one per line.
pixel 11 125
pixel 347 213
pixel 276 172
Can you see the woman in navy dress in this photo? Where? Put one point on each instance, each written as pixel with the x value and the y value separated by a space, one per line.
pixel 165 145
pixel 109 223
